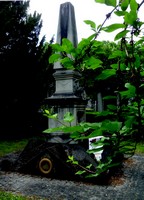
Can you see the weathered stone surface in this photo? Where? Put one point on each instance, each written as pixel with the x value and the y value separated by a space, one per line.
pixel 58 153
pixel 68 95
pixel 66 26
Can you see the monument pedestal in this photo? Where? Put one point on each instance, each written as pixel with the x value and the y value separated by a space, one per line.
pixel 62 105
pixel 67 98
pixel 67 83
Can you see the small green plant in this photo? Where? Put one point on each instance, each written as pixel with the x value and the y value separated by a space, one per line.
pixel 112 144
pixel 83 170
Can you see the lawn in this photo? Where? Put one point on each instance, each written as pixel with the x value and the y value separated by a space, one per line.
pixel 11 146
pixel 17 145
pixel 140 148
pixel 11 196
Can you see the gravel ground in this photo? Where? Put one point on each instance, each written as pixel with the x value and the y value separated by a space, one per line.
pixel 128 187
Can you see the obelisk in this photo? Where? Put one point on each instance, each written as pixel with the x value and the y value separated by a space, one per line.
pixel 66 97
pixel 66 26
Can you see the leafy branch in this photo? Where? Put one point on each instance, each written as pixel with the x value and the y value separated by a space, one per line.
pixel 86 169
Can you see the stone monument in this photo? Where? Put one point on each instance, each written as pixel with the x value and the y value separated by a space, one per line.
pixel 66 97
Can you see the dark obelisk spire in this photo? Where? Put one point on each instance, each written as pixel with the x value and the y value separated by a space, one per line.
pixel 66 26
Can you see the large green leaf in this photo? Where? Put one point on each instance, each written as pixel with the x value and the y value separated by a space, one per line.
pixel 91 23
pixel 103 113
pixel 125 4
pixel 122 65
pixel 51 130
pixel 93 63
pixel 67 63
pixel 106 74
pixel 91 125
pixel 80 172
pixel 142 74
pixel 96 43
pixel 57 47
pixel 112 126
pixel 112 107
pixel 130 92
pixel 100 1
pixel 133 5
pixel 54 58
pixel 113 27
pixel 121 34
pixel 68 117
pixel 129 86
pixel 120 13
pixel 137 61
pixel 67 45
pixel 110 3
pixel 109 97
pixel 129 122
pixel 107 2
pixel 130 17
pixel 72 129
pixel 116 54
pixel 83 43
pixel 91 37
pixel 95 133
pixel 54 116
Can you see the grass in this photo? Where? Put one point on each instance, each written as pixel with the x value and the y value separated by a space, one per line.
pixel 17 145
pixel 140 148
pixel 10 196
pixel 12 146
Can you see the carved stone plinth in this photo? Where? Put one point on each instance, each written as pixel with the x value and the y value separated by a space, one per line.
pixel 62 105
pixel 67 82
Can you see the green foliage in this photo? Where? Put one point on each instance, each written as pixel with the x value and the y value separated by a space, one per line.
pixel 25 71
pixel 68 117
pixel 124 5
pixel 121 34
pixel 106 74
pixel 130 92
pixel 116 71
pixel 107 2
pixel 113 27
pixel 91 23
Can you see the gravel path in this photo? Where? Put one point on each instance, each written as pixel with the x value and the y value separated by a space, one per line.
pixel 131 186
